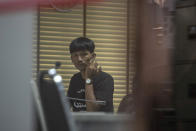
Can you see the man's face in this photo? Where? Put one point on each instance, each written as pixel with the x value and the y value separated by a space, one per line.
pixel 81 59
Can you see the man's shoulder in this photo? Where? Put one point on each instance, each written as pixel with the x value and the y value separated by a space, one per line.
pixel 103 75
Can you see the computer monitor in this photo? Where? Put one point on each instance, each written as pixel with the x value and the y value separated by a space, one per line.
pixel 53 108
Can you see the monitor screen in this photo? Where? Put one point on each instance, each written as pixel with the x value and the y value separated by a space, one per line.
pixel 56 111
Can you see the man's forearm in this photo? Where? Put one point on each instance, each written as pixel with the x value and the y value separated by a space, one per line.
pixel 89 95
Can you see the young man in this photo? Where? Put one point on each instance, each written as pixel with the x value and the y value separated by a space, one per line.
pixel 90 83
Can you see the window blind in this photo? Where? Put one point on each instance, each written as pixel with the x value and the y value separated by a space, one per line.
pixel 57 30
pixel 106 24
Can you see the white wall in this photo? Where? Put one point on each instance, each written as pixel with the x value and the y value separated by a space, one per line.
pixel 15 70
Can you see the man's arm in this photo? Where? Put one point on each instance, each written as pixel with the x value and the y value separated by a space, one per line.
pixel 104 93
pixel 90 71
pixel 89 94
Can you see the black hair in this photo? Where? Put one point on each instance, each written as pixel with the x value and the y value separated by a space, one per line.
pixel 82 43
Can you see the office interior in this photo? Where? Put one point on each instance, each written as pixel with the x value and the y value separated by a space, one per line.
pixel 146 45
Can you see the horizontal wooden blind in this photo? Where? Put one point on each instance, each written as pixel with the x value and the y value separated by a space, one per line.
pixel 106 24
pixel 57 30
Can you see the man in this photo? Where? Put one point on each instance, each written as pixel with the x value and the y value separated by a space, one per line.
pixel 90 83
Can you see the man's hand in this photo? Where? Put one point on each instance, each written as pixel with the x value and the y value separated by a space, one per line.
pixel 92 69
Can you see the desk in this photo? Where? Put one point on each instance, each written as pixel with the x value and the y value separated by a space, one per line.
pixel 99 121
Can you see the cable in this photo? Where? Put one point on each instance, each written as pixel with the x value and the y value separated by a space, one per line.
pixel 58 9
pixel 98 102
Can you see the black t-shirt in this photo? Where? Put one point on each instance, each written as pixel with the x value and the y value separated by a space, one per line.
pixel 103 85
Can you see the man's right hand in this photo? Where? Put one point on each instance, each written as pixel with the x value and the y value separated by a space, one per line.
pixel 92 69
